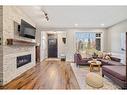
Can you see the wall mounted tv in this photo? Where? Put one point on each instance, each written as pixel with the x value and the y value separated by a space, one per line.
pixel 27 30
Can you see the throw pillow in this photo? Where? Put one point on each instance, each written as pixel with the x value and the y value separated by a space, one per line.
pixel 100 54
pixel 107 57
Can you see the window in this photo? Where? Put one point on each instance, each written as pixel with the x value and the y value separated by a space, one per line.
pixel 98 34
pixel 87 41
pixel 98 44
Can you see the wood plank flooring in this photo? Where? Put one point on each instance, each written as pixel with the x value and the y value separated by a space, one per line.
pixel 46 75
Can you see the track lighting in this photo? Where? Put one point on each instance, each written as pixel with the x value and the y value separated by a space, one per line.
pixel 46 15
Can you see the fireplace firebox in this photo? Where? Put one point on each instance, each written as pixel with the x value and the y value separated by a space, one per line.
pixel 22 60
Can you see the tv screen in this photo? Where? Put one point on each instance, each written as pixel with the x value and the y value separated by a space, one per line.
pixel 27 30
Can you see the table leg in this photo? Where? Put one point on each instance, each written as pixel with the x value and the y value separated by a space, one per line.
pixel 98 67
pixel 90 68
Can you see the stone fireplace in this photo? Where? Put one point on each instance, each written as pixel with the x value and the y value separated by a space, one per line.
pixel 16 59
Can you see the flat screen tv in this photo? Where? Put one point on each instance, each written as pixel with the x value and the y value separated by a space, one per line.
pixel 27 30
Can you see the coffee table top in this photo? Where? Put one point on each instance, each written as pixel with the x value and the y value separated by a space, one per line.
pixel 94 62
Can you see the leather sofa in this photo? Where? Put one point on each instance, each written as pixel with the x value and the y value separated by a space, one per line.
pixel 117 74
pixel 84 61
pixel 113 61
pixel 115 70
pixel 79 60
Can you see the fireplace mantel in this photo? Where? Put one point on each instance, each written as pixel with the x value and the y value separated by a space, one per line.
pixel 19 42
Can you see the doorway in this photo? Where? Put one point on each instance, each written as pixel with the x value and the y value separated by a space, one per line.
pixel 52 46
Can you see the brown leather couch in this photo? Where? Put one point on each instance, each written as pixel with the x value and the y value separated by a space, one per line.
pixel 117 73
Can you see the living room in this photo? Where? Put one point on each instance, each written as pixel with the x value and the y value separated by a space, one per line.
pixel 91 31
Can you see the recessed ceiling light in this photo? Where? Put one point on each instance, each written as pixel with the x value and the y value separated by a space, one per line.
pixel 76 25
pixel 102 24
pixel 37 7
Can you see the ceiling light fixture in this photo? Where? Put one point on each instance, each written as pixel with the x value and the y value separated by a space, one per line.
pixel 102 24
pixel 76 25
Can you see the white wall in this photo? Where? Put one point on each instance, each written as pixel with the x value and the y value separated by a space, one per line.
pixel 43 45
pixel 114 38
pixel 61 45
pixel 10 53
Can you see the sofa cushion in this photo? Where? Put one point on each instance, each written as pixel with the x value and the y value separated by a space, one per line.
pixel 107 57
pixel 109 62
pixel 114 63
pixel 85 60
pixel 104 61
pixel 100 54
pixel 115 59
pixel 116 71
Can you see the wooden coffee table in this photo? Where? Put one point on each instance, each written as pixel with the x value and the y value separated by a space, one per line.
pixel 95 64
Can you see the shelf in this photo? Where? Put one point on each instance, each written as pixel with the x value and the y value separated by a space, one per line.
pixel 19 42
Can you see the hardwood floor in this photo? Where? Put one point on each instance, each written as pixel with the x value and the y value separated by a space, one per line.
pixel 46 75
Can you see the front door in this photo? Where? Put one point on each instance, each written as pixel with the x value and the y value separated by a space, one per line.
pixel 52 46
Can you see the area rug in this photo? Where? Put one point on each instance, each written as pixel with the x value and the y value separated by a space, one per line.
pixel 82 71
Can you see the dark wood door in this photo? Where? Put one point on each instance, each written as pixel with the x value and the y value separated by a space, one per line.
pixel 37 48
pixel 52 47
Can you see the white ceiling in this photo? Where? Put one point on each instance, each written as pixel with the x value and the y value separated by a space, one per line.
pixel 82 16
